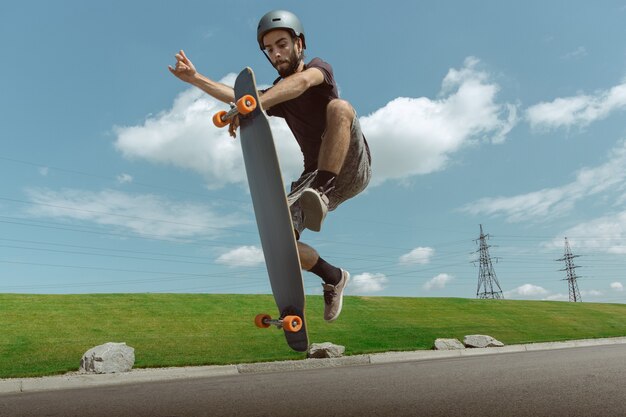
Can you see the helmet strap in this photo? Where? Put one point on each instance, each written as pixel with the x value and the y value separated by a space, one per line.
pixel 267 56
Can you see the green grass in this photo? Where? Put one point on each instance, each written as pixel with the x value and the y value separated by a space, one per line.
pixel 47 334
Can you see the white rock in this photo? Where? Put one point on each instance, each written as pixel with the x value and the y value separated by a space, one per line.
pixel 108 358
pixel 481 341
pixel 325 350
pixel 448 344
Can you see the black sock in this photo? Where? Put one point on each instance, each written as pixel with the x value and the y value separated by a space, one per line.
pixel 323 179
pixel 329 274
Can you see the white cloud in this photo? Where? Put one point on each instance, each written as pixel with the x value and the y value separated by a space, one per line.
pixel 584 295
pixel 124 178
pixel 530 291
pixel 577 53
pixel 526 290
pixel 408 136
pixel 557 297
pixel 143 213
pixel 550 202
pixel 44 171
pixel 412 136
pixel 367 283
pixel 591 293
pixel 418 255
pixel 617 286
pixel 604 234
pixel 185 137
pixel 580 110
pixel 242 256
pixel 438 282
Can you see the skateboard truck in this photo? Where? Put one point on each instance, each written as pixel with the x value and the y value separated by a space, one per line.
pixel 244 105
pixel 291 324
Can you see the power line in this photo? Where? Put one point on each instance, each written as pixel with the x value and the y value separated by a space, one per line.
pixel 378 260
pixel 115 179
pixel 124 216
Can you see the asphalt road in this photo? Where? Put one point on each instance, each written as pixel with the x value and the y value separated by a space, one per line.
pixel 569 382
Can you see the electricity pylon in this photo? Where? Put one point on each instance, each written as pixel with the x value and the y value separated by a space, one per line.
pixel 488 285
pixel 570 268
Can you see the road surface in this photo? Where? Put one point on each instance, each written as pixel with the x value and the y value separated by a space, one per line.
pixel 573 382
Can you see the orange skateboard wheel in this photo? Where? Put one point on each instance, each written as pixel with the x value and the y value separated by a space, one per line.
pixel 260 321
pixel 218 119
pixel 246 104
pixel 292 324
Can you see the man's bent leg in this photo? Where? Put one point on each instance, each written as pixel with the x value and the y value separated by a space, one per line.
pixel 333 151
pixel 336 139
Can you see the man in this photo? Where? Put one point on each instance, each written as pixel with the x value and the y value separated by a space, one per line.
pixel 337 161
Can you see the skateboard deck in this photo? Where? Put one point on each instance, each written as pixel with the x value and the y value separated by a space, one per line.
pixel 272 212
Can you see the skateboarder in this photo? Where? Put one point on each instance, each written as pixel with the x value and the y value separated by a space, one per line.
pixel 337 161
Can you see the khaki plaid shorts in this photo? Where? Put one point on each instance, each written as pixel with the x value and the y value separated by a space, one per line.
pixel 354 177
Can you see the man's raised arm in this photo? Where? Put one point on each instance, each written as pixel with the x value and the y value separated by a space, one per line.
pixel 186 72
pixel 292 87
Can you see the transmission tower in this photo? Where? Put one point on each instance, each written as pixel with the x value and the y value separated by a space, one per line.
pixel 488 286
pixel 574 294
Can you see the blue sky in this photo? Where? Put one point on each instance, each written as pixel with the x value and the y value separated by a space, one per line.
pixel 505 114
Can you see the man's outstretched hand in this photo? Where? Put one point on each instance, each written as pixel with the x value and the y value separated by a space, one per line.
pixel 184 69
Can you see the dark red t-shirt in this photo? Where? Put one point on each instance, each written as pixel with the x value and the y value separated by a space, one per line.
pixel 306 115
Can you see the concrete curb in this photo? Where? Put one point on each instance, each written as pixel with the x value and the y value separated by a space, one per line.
pixel 76 380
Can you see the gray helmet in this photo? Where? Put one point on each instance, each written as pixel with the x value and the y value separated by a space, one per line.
pixel 279 19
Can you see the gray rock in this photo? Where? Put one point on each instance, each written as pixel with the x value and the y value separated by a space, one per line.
pixel 448 344
pixel 108 358
pixel 325 350
pixel 481 341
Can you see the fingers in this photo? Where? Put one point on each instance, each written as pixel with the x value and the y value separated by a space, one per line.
pixel 182 53
pixel 181 66
pixel 234 125
pixel 181 57
pixel 180 60
pixel 183 69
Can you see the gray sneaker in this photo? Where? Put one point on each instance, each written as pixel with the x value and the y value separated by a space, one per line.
pixel 314 204
pixel 333 297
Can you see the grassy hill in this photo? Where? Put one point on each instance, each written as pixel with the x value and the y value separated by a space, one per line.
pixel 47 334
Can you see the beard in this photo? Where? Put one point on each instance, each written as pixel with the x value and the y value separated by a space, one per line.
pixel 293 62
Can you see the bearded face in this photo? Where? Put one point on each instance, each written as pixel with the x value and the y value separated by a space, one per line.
pixel 288 65
pixel 284 51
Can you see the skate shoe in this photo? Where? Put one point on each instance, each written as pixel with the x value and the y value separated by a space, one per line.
pixel 333 297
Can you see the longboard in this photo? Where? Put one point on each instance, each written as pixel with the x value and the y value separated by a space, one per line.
pixel 272 214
